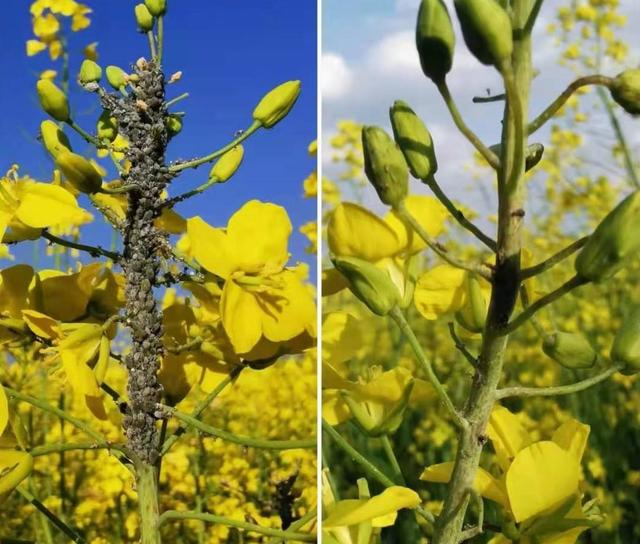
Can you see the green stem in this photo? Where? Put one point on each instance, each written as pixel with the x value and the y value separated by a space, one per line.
pixel 239 439
pixel 488 155
pixel 212 156
pixel 515 107
pixel 393 460
pixel 175 100
pixel 147 487
pixel 55 520
pixel 152 44
pixel 526 392
pixel 553 108
pixel 94 251
pixel 249 527
pixel 397 315
pixel 184 196
pixel 48 449
pixel 160 39
pixel 554 259
pixel 461 347
pixel 85 135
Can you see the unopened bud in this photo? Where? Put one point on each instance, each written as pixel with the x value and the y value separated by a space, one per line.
pixel 107 126
pixel 570 350
pixel 414 140
pixel 156 7
pixel 174 124
pixel 277 103
pixel 53 100
pixel 435 39
pixel 116 77
pixel 227 164
pixel 54 139
pixel 626 346
pixel 625 90
pixel 79 172
pixel 90 72
pixel 143 18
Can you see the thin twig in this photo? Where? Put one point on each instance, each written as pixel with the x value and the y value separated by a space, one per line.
pixel 564 253
pixel 94 251
pixel 461 347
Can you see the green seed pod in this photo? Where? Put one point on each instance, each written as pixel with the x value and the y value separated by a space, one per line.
pixel 174 125
pixel 79 172
pixel 90 72
pixel 385 166
pixel 107 126
pixel 474 314
pixel 615 239
pixel 435 39
pixel 570 350
pixel 156 7
pixel 277 103
pixel 625 90
pixel 486 28
pixel 143 18
pixel 116 77
pixel 626 346
pixel 53 100
pixel 414 140
pixel 370 284
pixel 54 139
pixel 227 164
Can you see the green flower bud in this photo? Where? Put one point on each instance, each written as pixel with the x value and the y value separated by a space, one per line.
pixel 414 140
pixel 370 284
pixel 54 139
pixel 486 28
pixel 626 346
pixel 116 77
pixel 385 166
pixel 107 126
pixel 275 105
pixel 412 271
pixel 174 125
pixel 533 155
pixel 156 7
pixel 53 100
pixel 79 172
pixel 90 72
pixel 625 90
pixel 570 350
pixel 435 39
pixel 227 164
pixel 474 314
pixel 615 239
pixel 143 18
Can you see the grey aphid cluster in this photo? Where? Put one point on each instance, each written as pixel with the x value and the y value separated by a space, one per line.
pixel 141 119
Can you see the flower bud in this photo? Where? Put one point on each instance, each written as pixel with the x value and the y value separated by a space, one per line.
pixel 143 18
pixel 570 350
pixel 174 125
pixel 370 284
pixel 227 164
pixel 90 72
pixel 414 140
pixel 625 90
pixel 53 100
pixel 486 28
pixel 474 313
pixel 626 346
pixel 107 126
pixel 54 139
pixel 435 39
pixel 533 155
pixel 79 172
pixel 116 77
pixel 615 239
pixel 156 7
pixel 385 166
pixel 275 105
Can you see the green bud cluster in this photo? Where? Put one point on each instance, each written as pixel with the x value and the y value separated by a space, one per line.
pixel 570 350
pixel 625 90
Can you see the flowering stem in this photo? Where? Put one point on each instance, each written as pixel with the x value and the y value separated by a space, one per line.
pixel 564 253
pixel 239 439
pixel 525 392
pixel 147 487
pixel 48 449
pixel 393 460
pixel 94 251
pixel 553 108
pixel 170 203
pixel 85 135
pixel 397 315
pixel 160 39
pixel 249 527
pixel 175 100
pixel 152 44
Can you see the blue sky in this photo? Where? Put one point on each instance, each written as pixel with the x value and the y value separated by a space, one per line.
pixel 230 55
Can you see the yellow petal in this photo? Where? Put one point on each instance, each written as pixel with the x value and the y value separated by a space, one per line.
pixel 332 282
pixel 40 324
pixel 65 296
pixel 440 291
pixel 15 466
pixel 334 409
pixel 34 47
pixel 211 247
pixel 354 231
pixel 541 476
pixel 4 410
pixel 572 436
pixel 239 310
pixel 14 289
pixel 341 337
pixel 44 205
pixel 507 435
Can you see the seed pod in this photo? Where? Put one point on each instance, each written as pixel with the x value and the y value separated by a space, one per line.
pixel 54 139
pixel 116 77
pixel 79 172
pixel 90 72
pixel 275 105
pixel 227 164
pixel 625 90
pixel 486 28
pixel 370 284
pixel 626 346
pixel 173 124
pixel 53 100
pixel 570 350
pixel 615 239
pixel 435 39
pixel 156 7
pixel 143 18
pixel 385 166
pixel 414 140
pixel 107 126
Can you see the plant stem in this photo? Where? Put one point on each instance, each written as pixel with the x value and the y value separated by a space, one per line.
pixel 175 100
pixel 397 315
pixel 152 44
pixel 94 251
pixel 147 487
pixel 393 460
pixel 249 527
pixel 160 39
pixel 564 253
pixel 239 439
pixel 553 108
pixel 48 449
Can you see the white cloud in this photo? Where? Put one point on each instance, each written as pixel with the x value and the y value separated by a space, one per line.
pixel 336 76
pixel 395 55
